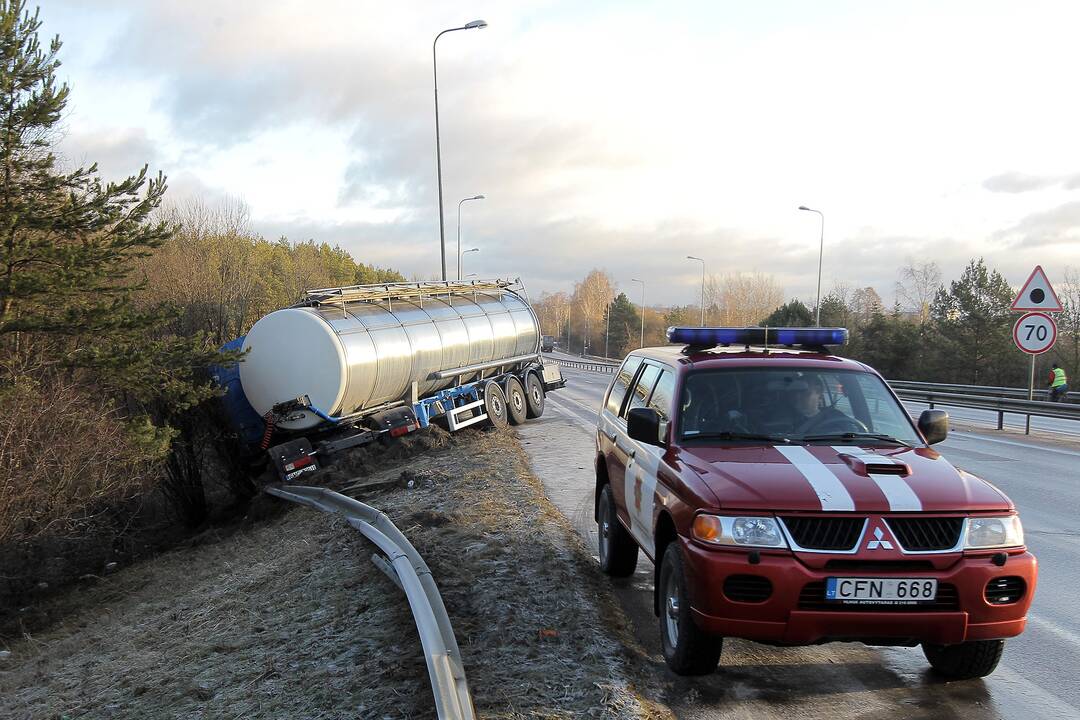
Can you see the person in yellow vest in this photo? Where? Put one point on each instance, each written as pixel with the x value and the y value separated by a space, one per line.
pixel 1058 384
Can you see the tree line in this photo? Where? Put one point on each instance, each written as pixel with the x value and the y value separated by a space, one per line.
pixel 954 332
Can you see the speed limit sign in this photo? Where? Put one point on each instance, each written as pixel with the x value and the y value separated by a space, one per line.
pixel 1035 333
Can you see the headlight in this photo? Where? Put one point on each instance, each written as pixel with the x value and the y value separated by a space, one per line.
pixel 738 531
pixel 993 532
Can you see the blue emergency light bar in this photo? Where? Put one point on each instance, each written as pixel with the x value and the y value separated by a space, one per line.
pixel 711 336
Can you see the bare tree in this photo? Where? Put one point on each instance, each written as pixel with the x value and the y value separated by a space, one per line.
pixel 917 286
pixel 741 298
pixel 865 303
pixel 1068 347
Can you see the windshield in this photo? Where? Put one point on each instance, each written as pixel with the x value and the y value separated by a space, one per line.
pixel 765 405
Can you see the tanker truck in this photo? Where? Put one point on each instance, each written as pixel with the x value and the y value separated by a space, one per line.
pixel 349 365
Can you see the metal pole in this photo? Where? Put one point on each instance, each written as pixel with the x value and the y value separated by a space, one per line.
pixel 821 254
pixel 463 200
pixel 607 330
pixel 1031 394
pixel 438 141
pixel 642 341
pixel 702 261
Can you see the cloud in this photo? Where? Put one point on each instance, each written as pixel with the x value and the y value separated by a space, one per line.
pixel 1049 227
pixel 118 152
pixel 1015 182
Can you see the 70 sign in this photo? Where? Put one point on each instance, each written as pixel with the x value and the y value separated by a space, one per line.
pixel 1035 333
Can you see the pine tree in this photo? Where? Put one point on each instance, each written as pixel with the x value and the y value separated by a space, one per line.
pixel 68 243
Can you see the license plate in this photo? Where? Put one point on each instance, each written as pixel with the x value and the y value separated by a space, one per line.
pixel 880 591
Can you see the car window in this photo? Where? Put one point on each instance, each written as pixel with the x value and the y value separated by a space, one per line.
pixel 663 394
pixel 621 382
pixel 644 386
pixel 793 403
pixel 881 409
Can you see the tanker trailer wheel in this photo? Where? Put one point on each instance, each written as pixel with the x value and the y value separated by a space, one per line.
pixel 495 405
pixel 534 396
pixel 516 404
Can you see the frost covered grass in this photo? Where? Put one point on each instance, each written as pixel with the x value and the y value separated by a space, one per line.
pixel 288 617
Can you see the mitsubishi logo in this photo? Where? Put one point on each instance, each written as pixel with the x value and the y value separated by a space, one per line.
pixel 879 541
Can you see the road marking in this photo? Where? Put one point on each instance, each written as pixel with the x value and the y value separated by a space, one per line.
pixel 1028 446
pixel 830 491
pixel 1052 627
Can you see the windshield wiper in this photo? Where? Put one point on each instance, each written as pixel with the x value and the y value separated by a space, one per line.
pixel 728 435
pixel 858 436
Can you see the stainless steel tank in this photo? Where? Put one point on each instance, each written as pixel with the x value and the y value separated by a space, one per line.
pixel 349 349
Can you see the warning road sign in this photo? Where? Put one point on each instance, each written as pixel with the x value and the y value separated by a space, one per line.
pixel 1037 294
pixel 1035 333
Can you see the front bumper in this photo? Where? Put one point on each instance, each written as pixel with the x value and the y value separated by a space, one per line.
pixel 788 617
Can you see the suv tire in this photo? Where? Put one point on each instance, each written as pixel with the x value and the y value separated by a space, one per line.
pixel 618 551
pixel 687 649
pixel 973 659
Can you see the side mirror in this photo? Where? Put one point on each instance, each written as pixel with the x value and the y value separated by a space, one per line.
pixel 643 425
pixel 934 425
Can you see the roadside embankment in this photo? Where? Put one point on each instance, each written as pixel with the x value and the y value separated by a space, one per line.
pixel 288 617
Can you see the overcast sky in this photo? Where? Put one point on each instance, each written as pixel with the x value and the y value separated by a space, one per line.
pixel 620 135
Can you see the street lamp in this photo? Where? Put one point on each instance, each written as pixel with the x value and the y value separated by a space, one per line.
pixel 461 258
pixel 474 197
pixel 691 257
pixel 642 343
pixel 475 24
pixel 821 252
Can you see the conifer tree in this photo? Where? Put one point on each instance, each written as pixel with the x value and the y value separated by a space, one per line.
pixel 69 240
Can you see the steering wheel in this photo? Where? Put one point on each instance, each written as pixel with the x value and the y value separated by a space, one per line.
pixel 838 423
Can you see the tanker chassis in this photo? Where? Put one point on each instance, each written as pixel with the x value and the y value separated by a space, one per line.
pixel 347 366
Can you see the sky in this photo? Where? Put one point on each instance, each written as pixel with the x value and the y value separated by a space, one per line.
pixel 615 135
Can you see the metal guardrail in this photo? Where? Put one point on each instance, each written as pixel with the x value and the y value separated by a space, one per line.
pixel 982 390
pixel 1000 400
pixel 409 571
pixel 588 366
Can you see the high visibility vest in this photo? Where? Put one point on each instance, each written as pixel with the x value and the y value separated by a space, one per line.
pixel 1059 378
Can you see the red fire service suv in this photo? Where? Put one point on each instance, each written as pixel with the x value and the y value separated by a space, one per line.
pixel 785 496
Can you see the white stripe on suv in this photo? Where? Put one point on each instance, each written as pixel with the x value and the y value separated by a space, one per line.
pixel 898 493
pixel 830 491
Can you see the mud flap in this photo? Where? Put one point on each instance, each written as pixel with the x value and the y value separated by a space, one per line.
pixel 293 459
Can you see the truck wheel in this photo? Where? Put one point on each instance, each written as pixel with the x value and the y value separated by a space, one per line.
pixel 516 404
pixel 495 405
pixel 687 649
pixel 618 551
pixel 973 659
pixel 534 396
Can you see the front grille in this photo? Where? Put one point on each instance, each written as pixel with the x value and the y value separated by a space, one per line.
pixel 819 533
pixel 747 588
pixel 812 597
pixel 926 533
pixel 1005 590
pixel 880 565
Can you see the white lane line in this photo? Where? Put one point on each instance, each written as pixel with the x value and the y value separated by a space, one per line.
pixel 830 491
pixel 1052 627
pixel 1028 446
pixel 573 415
pixel 900 496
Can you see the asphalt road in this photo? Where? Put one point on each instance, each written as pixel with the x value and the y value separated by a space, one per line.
pixel 1037 678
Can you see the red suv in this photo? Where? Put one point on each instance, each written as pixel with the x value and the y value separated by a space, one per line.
pixel 785 496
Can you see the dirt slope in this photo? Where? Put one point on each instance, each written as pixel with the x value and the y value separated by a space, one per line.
pixel 288 617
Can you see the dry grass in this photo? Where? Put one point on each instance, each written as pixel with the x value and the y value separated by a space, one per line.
pixel 63 450
pixel 289 618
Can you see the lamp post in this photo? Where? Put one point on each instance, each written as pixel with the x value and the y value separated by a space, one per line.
pixel 821 252
pixel 691 257
pixel 474 197
pixel 474 25
pixel 642 342
pixel 461 258
pixel 607 330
